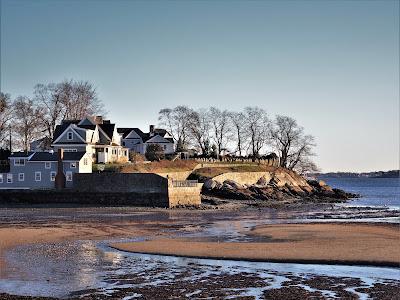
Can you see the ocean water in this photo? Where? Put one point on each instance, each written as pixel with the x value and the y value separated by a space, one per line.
pixel 373 191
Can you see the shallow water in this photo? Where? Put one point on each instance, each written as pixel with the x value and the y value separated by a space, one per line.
pixel 95 266
pixel 91 267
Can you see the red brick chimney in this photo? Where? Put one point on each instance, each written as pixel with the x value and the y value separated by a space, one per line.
pixel 60 176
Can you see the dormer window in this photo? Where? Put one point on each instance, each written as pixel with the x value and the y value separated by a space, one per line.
pixel 69 136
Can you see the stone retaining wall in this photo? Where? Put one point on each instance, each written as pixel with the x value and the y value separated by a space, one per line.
pixel 70 197
pixel 243 177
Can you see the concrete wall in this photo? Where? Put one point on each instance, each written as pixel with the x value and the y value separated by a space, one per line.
pixel 70 197
pixel 121 182
pixel 178 196
pixel 176 175
pixel 243 178
pixel 151 186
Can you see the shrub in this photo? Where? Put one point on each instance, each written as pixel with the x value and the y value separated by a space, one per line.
pixel 154 152
pixel 136 157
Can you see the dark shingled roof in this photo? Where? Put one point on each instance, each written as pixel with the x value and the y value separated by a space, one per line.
pixel 49 156
pixel 21 154
pixel 126 131
pixel 61 128
pixel 108 129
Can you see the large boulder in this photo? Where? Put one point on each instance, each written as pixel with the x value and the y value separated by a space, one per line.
pixel 230 184
pixel 262 181
pixel 211 184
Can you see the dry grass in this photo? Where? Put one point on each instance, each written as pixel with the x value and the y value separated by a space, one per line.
pixel 163 166
pixel 215 171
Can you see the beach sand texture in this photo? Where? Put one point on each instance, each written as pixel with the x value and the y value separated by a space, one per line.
pixel 367 244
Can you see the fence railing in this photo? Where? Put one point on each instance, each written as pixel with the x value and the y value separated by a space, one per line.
pixel 184 183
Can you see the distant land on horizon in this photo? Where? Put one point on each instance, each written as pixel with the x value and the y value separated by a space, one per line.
pixel 375 174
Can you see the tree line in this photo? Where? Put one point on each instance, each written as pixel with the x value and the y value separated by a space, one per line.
pixel 250 133
pixel 24 119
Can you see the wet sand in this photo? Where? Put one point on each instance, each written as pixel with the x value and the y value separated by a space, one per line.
pixel 361 244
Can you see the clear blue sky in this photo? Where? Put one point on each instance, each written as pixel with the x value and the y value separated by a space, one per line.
pixel 332 65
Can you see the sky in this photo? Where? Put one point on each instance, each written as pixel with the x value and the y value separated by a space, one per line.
pixel 331 65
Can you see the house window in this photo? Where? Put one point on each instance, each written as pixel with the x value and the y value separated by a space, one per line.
pixel 70 150
pixel 123 143
pixel 70 136
pixel 21 177
pixel 85 161
pixel 73 165
pixel 9 178
pixel 68 176
pixel 38 176
pixel 107 150
pixel 165 147
pixel 1 178
pixel 52 176
pixel 47 165
pixel 19 162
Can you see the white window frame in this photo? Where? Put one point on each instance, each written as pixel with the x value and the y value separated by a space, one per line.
pixel 72 165
pixel 71 150
pixel 47 164
pixel 9 178
pixel 38 176
pixel 70 135
pixel 19 177
pixel 1 178
pixel 53 176
pixel 68 175
pixel 19 160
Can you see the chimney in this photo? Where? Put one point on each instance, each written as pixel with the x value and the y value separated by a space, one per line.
pixel 60 176
pixel 151 130
pixel 98 119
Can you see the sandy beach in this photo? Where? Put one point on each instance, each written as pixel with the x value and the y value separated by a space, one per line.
pixel 365 244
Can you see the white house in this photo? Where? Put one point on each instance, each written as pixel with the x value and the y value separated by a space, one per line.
pixel 137 140
pixel 95 136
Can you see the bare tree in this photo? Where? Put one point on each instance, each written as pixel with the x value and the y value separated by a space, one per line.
pixel 5 115
pixel 177 121
pixel 49 97
pixel 306 166
pixel 79 99
pixel 220 128
pixel 27 121
pixel 293 146
pixel 239 127
pixel 199 125
pixel 257 126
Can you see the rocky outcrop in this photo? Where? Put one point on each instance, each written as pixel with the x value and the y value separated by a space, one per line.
pixel 279 185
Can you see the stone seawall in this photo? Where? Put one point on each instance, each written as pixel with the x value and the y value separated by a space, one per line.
pixel 108 189
pixel 178 196
pixel 243 177
pixel 121 182
pixel 70 197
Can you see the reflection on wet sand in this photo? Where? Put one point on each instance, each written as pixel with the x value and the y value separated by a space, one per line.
pixel 82 265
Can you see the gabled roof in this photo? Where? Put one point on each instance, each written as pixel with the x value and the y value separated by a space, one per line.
pixel 108 129
pixel 53 156
pixel 126 131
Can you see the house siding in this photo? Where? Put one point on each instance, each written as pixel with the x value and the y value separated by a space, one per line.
pixel 31 167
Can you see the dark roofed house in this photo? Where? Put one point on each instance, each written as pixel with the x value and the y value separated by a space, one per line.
pixel 136 140
pixel 37 170
pixel 93 135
